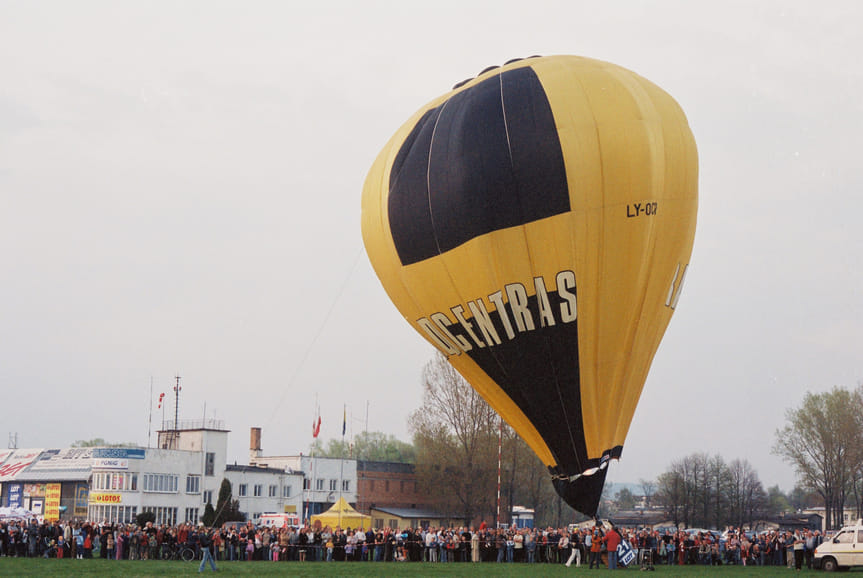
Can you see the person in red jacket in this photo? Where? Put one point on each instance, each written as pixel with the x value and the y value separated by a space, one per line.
pixel 183 534
pixel 612 541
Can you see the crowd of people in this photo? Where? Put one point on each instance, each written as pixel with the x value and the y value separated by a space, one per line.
pixel 794 549
pixel 598 545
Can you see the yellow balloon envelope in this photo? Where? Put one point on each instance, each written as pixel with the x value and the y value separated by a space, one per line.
pixel 535 225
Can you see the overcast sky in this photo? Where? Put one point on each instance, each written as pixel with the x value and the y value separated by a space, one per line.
pixel 180 194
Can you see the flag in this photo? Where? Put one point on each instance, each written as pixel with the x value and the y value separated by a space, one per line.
pixel 161 397
pixel 344 421
pixel 316 427
pixel 625 553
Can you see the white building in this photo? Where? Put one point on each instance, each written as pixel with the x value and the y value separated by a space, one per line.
pixel 326 479
pixel 175 480
pixel 179 478
pixel 262 490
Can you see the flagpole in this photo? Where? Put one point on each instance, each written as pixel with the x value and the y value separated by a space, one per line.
pixel 342 464
pixel 150 417
pixel 499 447
pixel 316 429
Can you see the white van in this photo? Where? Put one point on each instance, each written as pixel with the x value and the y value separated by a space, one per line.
pixel 843 550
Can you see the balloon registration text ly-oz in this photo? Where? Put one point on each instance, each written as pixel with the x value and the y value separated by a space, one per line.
pixel 641 209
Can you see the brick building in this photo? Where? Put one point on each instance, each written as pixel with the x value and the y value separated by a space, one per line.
pixel 388 485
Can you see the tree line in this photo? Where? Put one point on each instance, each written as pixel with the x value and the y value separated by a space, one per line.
pixel 705 491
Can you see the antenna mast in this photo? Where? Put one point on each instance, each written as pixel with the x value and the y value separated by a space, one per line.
pixel 177 389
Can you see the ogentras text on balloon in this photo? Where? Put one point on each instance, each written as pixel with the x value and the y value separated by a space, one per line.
pixel 502 314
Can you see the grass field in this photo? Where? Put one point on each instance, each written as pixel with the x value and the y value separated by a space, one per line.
pixel 126 568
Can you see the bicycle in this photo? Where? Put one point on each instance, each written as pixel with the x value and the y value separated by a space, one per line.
pixel 178 552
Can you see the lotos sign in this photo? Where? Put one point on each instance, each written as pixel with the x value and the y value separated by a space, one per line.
pixel 106 498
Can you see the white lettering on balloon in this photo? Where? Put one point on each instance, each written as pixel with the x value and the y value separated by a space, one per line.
pixel 511 309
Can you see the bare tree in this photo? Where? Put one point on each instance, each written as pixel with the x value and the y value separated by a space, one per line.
pixel 671 494
pixel 857 457
pixel 532 485
pixel 455 436
pixel 648 488
pixel 703 491
pixel 720 481
pixel 822 440
pixel 746 494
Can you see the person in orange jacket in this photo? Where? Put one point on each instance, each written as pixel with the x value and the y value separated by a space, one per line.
pixel 596 538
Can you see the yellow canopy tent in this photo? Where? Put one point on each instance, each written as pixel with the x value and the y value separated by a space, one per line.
pixel 342 514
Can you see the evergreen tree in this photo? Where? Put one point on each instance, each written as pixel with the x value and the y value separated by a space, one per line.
pixel 227 508
pixel 209 516
pixel 144 517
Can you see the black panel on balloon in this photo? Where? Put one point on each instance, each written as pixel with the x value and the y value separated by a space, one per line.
pixel 582 494
pixel 539 371
pixel 495 162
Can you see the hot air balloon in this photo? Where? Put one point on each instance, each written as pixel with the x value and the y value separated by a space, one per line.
pixel 535 225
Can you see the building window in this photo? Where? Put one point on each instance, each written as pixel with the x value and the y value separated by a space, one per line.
pixel 208 496
pixel 115 481
pixel 210 464
pixel 371 485
pixel 346 485
pixel 162 483
pixel 286 491
pixel 387 486
pixel 193 484
pixel 164 516
pixel 274 491
pixel 402 486
pixel 243 490
pixel 319 485
pixel 259 490
pixel 333 485
pixel 114 514
pixel 192 515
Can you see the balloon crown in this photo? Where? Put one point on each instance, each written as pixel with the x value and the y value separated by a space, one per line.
pixel 490 68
